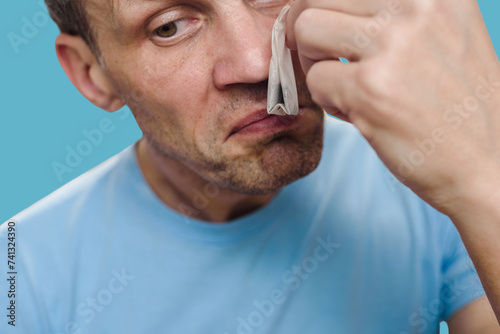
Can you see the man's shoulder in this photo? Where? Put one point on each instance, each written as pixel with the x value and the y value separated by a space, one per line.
pixel 91 186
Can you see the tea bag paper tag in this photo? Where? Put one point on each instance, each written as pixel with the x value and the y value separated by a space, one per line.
pixel 282 97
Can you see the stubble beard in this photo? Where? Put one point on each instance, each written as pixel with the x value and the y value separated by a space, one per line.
pixel 285 158
pixel 277 160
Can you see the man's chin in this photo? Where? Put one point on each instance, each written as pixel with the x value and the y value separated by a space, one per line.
pixel 285 159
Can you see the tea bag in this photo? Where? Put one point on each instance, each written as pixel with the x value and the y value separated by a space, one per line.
pixel 282 97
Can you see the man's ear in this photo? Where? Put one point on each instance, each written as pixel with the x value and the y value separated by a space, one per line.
pixel 85 72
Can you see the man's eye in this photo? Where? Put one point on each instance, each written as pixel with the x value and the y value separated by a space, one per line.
pixel 167 30
pixel 171 29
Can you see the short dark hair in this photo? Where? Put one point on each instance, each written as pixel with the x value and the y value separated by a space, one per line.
pixel 71 18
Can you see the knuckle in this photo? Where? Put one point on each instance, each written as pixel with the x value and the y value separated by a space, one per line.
pixel 377 89
pixel 373 80
pixel 390 38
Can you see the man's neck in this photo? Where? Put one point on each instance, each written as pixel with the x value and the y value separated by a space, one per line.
pixel 184 191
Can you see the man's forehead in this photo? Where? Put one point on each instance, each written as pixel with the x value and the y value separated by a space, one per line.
pixel 115 6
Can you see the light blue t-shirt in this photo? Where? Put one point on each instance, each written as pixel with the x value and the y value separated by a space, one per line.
pixel 346 249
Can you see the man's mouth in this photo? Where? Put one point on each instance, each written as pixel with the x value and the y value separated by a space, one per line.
pixel 260 123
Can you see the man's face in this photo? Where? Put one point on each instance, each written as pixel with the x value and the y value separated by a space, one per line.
pixel 194 73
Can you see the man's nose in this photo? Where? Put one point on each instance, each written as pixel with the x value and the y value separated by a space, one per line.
pixel 243 48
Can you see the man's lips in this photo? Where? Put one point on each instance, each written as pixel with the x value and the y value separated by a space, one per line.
pixel 253 118
pixel 260 122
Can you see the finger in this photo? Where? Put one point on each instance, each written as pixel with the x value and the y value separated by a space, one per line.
pixel 354 7
pixel 319 39
pixel 331 84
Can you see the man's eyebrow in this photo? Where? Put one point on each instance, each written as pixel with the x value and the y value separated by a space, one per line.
pixel 117 6
pixel 120 8
pixel 132 2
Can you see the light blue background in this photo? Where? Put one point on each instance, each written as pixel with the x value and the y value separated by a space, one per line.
pixel 43 113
